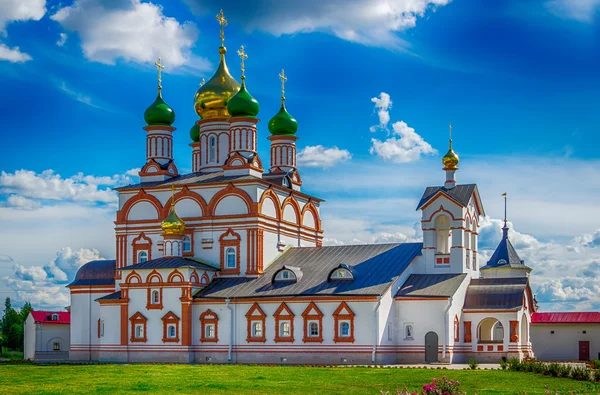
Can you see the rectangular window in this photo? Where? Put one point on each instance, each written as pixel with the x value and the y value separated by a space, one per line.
pixel 56 346
pixel 284 329
pixel 102 328
pixel 313 329
pixel 256 329
pixel 209 331
pixel 344 328
pixel 139 331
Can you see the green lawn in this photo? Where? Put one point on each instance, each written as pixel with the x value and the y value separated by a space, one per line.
pixel 239 379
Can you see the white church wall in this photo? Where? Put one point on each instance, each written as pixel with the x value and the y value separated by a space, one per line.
pixel 111 315
pixel 231 205
pixel 29 338
pixel 142 210
pixel 560 342
pixel 124 197
pixel 188 208
pixel 85 312
pixel 289 214
pixel 268 208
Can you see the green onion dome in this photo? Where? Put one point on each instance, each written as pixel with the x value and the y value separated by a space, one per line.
pixel 195 133
pixel 283 124
pixel 159 113
pixel 243 104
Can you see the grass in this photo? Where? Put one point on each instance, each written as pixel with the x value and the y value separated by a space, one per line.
pixel 241 379
pixel 10 354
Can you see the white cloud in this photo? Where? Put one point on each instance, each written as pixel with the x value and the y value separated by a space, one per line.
pixel 21 203
pixel 13 55
pixel 369 22
pixel 129 30
pixel 62 39
pixel 80 97
pixel 408 147
pixel 319 156
pixel 579 10
pixel 382 104
pixel 21 10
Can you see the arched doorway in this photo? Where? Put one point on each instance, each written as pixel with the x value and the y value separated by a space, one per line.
pixel 490 331
pixel 431 347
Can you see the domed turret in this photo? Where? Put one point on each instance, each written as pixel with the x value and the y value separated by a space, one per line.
pixel 159 112
pixel 195 133
pixel 283 124
pixel 243 104
pixel 173 225
pixel 450 160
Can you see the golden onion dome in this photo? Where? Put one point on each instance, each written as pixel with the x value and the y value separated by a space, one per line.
pixel 450 160
pixel 211 99
pixel 173 225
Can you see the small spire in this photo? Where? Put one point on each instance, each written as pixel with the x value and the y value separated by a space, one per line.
pixel 450 128
pixel 505 228
pixel 159 67
pixel 283 79
pixel 222 23
pixel 243 56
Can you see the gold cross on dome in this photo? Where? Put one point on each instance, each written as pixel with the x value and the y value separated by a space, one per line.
pixel 450 127
pixel 283 79
pixel 160 67
pixel 243 55
pixel 202 82
pixel 222 22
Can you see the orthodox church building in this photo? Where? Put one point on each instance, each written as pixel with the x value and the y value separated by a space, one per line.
pixel 227 263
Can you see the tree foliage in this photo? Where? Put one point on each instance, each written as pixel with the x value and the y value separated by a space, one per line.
pixel 12 325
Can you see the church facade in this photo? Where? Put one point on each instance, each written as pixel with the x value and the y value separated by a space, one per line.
pixel 227 263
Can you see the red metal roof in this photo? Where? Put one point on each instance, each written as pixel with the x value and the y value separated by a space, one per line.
pixel 45 317
pixel 566 318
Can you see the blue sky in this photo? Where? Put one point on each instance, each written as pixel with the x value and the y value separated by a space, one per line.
pixel 518 80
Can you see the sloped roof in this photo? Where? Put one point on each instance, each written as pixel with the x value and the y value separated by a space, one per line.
pixel 505 255
pixel 430 285
pixel 375 267
pixel 460 193
pixel 100 272
pixel 45 317
pixel 191 178
pixel 566 318
pixel 170 263
pixel 495 293
pixel 112 296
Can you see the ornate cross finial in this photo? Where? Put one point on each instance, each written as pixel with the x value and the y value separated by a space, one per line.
pixel 283 79
pixel 202 82
pixel 223 22
pixel 504 194
pixel 450 128
pixel 243 55
pixel 160 67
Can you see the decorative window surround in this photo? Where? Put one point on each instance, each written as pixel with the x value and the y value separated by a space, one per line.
pixel 138 320
pixel 282 315
pixel 168 320
pixel 255 314
pixel 341 315
pixel 312 314
pixel 206 319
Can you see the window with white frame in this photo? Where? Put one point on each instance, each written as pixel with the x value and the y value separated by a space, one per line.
pixel 285 275
pixel 142 256
pixel 155 297
pixel 187 244
pixel 171 331
pixel 54 317
pixel 284 329
pixel 230 258
pixel 408 332
pixel 212 149
pixel 139 331
pixel 344 328
pixel 257 329
pixel 209 331
pixel 341 274
pixel 313 329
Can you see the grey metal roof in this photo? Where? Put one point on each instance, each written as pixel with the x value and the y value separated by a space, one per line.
pixel 170 263
pixel 495 293
pixel 460 193
pixel 505 255
pixel 100 272
pixel 431 285
pixel 191 178
pixel 112 296
pixel 374 266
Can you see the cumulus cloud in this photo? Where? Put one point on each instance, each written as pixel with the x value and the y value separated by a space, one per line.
pixel 382 105
pixel 319 156
pixel 21 10
pixel 21 203
pixel 579 10
pixel 369 22
pixel 13 55
pixel 62 39
pixel 407 147
pixel 129 30
pixel 44 286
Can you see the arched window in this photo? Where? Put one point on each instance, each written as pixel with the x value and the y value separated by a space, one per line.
pixel 212 149
pixel 313 329
pixel 344 329
pixel 209 331
pixel 155 297
pixel 408 332
pixel 443 234
pixel 284 329
pixel 139 331
pixel 256 329
pixel 230 258
pixel 142 256
pixel 342 273
pixel 172 333
pixel 187 244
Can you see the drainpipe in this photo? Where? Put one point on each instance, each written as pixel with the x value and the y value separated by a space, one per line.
pixel 229 352
pixel 376 326
pixel 446 331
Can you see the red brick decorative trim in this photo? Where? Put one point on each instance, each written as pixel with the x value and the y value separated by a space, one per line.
pixel 131 276
pixel 467 331
pixel 270 194
pixel 185 193
pixel 514 331
pixel 139 197
pixel 282 314
pixel 141 243
pixel 175 274
pixel 231 190
pixel 230 239
pixel 343 313
pixel 311 207
pixel 291 200
pixel 170 319
pixel 150 305
pixel 253 315
pixel 206 318
pixel 312 313
pixel 135 319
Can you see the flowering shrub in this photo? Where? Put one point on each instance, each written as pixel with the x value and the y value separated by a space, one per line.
pixel 444 386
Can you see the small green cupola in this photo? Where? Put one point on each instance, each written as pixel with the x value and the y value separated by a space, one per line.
pixel 283 124
pixel 195 133
pixel 159 113
pixel 243 104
